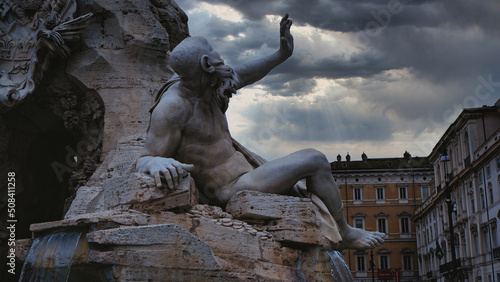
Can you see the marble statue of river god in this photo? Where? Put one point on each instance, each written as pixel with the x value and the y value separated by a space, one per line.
pixel 189 132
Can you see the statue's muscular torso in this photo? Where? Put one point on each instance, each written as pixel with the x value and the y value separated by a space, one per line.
pixel 206 143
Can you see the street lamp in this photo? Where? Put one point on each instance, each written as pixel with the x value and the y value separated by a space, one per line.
pixel 451 208
pixel 372 264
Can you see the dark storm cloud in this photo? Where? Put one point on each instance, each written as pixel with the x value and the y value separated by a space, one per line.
pixel 404 32
pixel 342 15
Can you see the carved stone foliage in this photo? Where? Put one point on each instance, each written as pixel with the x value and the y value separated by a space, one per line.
pixel 27 26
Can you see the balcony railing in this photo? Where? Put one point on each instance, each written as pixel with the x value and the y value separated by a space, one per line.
pixel 447 267
pixel 429 275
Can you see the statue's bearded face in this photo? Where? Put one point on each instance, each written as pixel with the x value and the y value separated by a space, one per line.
pixel 194 58
pixel 223 83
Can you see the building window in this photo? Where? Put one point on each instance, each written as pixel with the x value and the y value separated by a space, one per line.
pixel 383 262
pixel 402 193
pixel 466 143
pixel 425 192
pixel 407 262
pixel 476 244
pixel 380 193
pixel 361 266
pixel 357 194
pixel 498 163
pixel 483 202
pixel 480 176
pixel 463 245
pixel 494 239
pixel 488 171
pixel 485 239
pixel 405 225
pixel 381 225
pixel 473 206
pixel 490 191
pixel 359 223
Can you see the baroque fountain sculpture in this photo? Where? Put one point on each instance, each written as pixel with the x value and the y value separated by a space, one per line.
pixel 149 212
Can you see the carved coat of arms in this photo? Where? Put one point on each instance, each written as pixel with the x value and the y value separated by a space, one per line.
pixel 26 26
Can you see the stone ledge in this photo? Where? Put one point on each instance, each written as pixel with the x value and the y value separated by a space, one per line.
pixel 170 246
pixel 289 219
pixel 258 205
pixel 294 231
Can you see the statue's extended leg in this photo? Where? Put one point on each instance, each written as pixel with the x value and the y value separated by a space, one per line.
pixel 280 175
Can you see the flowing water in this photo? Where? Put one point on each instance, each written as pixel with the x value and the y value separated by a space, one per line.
pixel 340 270
pixel 50 258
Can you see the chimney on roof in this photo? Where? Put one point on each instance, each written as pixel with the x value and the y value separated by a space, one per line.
pixel 364 157
pixel 348 158
pixel 339 158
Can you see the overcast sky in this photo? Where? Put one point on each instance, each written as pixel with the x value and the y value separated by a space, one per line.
pixel 379 77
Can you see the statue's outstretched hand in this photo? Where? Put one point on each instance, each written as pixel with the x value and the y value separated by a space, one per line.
pixel 171 169
pixel 286 38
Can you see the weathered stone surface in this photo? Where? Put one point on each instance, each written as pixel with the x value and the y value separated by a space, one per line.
pixel 236 247
pixel 214 247
pixel 144 273
pixel 119 162
pixel 118 217
pixel 253 204
pixel 168 246
pixel 185 196
pixel 294 231
pixel 124 58
pixel 117 185
pixel 136 191
pixel 290 219
pixel 205 244
pixel 111 219
pixel 87 199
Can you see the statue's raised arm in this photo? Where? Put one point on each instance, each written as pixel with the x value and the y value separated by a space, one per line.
pixel 256 70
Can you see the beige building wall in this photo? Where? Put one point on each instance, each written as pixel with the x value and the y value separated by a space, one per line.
pixel 382 195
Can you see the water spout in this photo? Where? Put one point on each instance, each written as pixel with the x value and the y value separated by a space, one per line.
pixel 340 271
pixel 50 258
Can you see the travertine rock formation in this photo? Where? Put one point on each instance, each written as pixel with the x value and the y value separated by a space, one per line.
pixel 124 58
pixel 80 104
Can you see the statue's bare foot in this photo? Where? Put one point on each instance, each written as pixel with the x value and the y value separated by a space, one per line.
pixel 358 239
